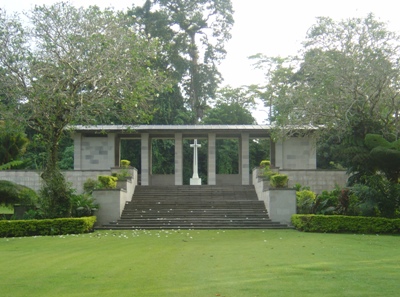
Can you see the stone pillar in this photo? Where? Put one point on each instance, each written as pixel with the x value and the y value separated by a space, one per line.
pixel 279 161
pixel 145 152
pixel 245 159
pixel 111 139
pixel 178 159
pixel 211 159
pixel 77 151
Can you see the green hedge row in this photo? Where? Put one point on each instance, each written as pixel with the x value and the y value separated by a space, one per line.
pixel 18 228
pixel 345 224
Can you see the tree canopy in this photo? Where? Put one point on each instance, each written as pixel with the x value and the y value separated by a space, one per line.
pixel 193 35
pixel 69 65
pixel 345 78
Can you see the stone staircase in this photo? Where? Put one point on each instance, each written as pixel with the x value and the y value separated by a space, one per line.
pixel 194 207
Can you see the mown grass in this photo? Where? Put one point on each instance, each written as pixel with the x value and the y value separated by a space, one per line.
pixel 201 263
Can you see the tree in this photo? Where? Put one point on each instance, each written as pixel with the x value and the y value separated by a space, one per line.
pixel 232 107
pixel 73 65
pixel 346 78
pixel 193 34
pixel 13 144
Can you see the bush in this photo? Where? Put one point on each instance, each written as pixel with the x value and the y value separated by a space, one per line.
pixel 55 195
pixel 305 200
pixel 279 180
pixel 265 163
pixel 12 193
pixel 90 185
pixel 46 227
pixel 83 205
pixel 345 224
pixel 269 173
pixel 107 181
pixel 125 163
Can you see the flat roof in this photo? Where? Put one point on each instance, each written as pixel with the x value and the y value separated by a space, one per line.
pixel 167 127
pixel 222 130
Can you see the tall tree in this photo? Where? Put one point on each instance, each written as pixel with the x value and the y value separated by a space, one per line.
pixel 73 65
pixel 194 34
pixel 345 78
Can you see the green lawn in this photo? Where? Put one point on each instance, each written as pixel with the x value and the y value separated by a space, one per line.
pixel 201 263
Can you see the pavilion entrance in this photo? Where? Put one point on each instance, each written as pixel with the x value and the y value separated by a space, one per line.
pixel 100 148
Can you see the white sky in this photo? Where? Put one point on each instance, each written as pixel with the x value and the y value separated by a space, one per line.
pixel 271 27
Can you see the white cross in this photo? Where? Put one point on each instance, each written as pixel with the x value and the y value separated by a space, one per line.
pixel 195 158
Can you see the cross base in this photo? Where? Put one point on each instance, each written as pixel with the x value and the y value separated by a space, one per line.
pixel 195 181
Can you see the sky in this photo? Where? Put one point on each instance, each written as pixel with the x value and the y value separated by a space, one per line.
pixel 273 28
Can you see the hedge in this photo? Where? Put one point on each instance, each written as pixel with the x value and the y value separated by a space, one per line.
pixel 19 228
pixel 345 224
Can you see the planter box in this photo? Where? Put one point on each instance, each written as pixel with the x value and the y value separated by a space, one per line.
pixel 112 203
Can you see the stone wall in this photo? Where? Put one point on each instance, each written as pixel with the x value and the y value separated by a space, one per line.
pixel 296 153
pixel 280 203
pixel 94 152
pixel 32 179
pixel 317 180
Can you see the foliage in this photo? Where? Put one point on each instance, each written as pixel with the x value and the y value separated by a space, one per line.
pixel 55 195
pixel 125 163
pixel 279 180
pixel 13 144
pixel 64 65
pixel 11 193
pixel 345 78
pixel 90 185
pixel 83 205
pixel 305 199
pixel 378 196
pixel 231 107
pixel 265 163
pixel 67 158
pixel 10 164
pixel 227 156
pixel 20 228
pixel 192 34
pixel 163 156
pixel 384 156
pixel 346 224
pixel 107 181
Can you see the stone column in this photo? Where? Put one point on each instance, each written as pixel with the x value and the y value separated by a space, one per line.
pixel 111 160
pixel 245 159
pixel 77 151
pixel 212 179
pixel 145 153
pixel 178 159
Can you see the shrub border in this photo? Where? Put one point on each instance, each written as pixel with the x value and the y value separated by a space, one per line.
pixel 345 224
pixel 19 228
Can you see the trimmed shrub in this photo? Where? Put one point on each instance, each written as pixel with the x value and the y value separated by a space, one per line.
pixel 12 193
pixel 46 227
pixel 279 180
pixel 305 200
pixel 125 163
pixel 345 224
pixel 265 163
pixel 107 181
pixel 269 173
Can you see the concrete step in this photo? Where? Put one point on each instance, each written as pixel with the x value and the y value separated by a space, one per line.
pixel 194 207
